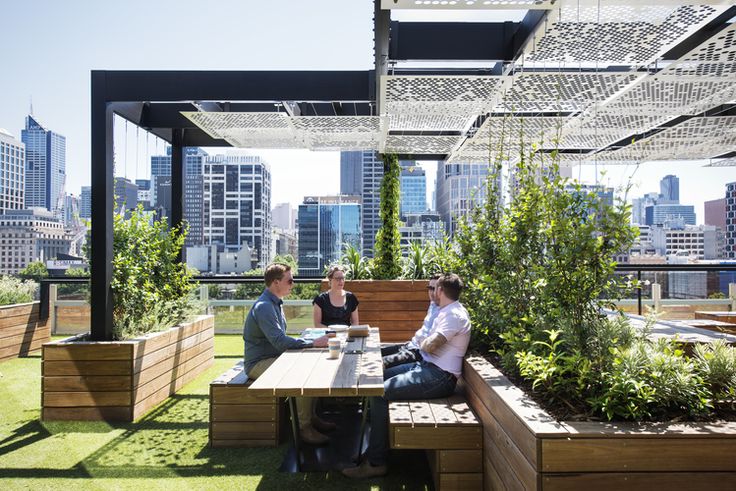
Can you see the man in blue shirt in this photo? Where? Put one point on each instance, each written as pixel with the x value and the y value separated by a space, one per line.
pixel 265 339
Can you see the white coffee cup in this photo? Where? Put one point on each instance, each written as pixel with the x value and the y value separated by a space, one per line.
pixel 334 346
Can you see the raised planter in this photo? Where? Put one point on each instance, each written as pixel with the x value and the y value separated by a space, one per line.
pixel 397 307
pixel 122 380
pixel 526 448
pixel 21 332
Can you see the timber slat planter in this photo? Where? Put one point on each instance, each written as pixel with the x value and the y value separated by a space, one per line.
pixel 397 307
pixel 526 448
pixel 122 380
pixel 21 332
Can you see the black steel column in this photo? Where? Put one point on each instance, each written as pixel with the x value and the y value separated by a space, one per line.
pixel 381 35
pixel 177 179
pixel 102 208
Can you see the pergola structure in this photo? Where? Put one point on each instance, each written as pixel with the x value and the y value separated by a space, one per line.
pixel 616 81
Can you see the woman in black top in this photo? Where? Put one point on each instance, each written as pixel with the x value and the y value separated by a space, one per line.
pixel 335 306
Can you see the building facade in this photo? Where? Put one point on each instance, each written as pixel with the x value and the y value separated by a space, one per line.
pixel 45 166
pixel 283 216
pixel 326 224
pixel 700 242
pixel 660 214
pixel 29 235
pixel 237 205
pixel 731 220
pixel 351 173
pixel 715 213
pixel 421 228
pixel 460 188
pixel 413 188
pixel 12 172
pixel 126 194
pixel 669 188
pixel 85 203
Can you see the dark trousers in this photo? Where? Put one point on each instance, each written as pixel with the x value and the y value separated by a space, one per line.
pixel 399 354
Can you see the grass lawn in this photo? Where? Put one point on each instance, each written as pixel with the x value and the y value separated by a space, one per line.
pixel 166 449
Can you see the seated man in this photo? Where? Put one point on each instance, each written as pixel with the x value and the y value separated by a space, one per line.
pixel 433 377
pixel 399 354
pixel 265 339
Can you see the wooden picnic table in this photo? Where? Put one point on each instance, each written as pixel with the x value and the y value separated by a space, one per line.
pixel 357 372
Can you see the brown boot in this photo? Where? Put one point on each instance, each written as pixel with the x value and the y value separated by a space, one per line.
pixel 365 471
pixel 323 426
pixel 311 436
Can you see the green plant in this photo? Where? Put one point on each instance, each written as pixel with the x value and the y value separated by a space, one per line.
pixel 418 263
pixel 716 363
pixel 214 291
pixel 13 290
pixel 151 288
pixel 75 289
pixel 35 271
pixel 387 261
pixel 357 267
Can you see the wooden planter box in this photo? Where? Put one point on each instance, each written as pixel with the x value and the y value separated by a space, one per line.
pixel 20 330
pixel 397 307
pixel 526 448
pixel 122 380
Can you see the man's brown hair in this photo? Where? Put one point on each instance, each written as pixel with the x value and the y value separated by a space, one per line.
pixel 274 272
pixel 451 284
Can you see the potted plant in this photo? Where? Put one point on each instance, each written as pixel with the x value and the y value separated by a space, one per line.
pixel 594 402
pixel 20 330
pixel 160 341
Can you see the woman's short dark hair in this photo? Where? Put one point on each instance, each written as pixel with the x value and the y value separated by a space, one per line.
pixel 451 284
pixel 275 272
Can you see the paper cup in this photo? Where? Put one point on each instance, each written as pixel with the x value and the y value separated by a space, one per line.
pixel 334 346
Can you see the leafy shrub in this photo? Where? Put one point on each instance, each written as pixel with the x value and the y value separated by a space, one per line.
pixel 151 288
pixel 357 267
pixel 14 290
pixel 386 264
pixel 35 271
pixel 716 363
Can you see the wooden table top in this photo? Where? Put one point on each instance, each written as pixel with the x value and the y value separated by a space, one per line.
pixel 310 372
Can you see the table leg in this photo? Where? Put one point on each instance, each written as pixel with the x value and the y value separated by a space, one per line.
pixel 295 432
pixel 363 420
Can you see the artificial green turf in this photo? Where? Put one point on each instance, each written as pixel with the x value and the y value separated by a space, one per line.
pixel 165 449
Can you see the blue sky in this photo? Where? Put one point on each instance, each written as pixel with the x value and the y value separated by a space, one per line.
pixel 49 48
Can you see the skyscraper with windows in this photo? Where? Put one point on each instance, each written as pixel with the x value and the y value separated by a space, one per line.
pixel 669 188
pixel 351 173
pixel 460 188
pixel 12 172
pixel 45 166
pixel 237 205
pixel 85 203
pixel 731 220
pixel 413 188
pixel 370 168
pixel 326 223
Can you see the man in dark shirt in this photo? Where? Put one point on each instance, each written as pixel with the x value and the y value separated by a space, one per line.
pixel 265 339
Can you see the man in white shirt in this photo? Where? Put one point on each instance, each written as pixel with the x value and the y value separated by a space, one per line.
pixel 398 354
pixel 433 377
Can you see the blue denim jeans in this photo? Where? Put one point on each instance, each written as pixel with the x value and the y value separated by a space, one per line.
pixel 410 381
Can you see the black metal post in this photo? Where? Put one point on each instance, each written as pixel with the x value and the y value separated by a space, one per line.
pixel 638 290
pixel 43 300
pixel 177 179
pixel 101 252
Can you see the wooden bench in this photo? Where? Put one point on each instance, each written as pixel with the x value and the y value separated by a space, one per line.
pixel 450 433
pixel 242 419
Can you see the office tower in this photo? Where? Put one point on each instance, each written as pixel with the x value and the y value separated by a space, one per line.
pixel 700 241
pixel 237 205
pixel 371 177
pixel 126 194
pixel 413 188
pixel 660 214
pixel 283 217
pixel 326 223
pixel 12 172
pixel 193 189
pixel 669 188
pixel 85 203
pixel 29 235
pixel 70 211
pixel 351 173
pixel 421 228
pixel 639 206
pixel 460 188
pixel 144 192
pixel 45 166
pixel 715 213
pixel 731 220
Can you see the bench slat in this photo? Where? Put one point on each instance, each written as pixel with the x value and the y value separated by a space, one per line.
pixel 462 411
pixel 421 414
pixel 399 413
pixel 443 414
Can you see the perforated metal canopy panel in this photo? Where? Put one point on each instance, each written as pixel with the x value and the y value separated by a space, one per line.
pixel 627 33
pixel 466 4
pixel 716 58
pixel 421 144
pixel 730 162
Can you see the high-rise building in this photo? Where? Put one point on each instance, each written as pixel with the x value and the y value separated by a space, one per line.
pixel 639 207
pixel 351 173
pixel 85 203
pixel 700 241
pixel 144 192
pixel 715 213
pixel 669 188
pixel 29 235
pixel 237 205
pixel 283 217
pixel 126 194
pixel 45 166
pixel 70 211
pixel 193 189
pixel 12 172
pixel 413 188
pixel 326 223
pixel 731 220
pixel 660 214
pixel 460 188
pixel 421 228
